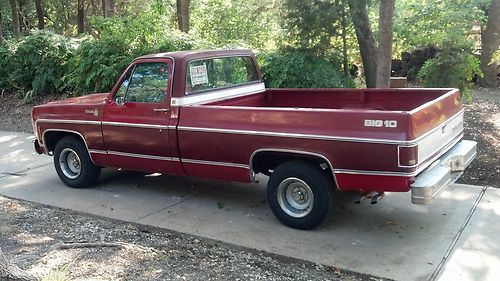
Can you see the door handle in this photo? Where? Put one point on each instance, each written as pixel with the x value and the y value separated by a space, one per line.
pixel 161 109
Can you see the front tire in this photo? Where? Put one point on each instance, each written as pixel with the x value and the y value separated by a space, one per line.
pixel 73 164
pixel 299 194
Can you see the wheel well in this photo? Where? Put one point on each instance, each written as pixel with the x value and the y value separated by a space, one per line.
pixel 51 138
pixel 266 161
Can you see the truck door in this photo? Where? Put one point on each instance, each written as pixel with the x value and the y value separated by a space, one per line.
pixel 136 123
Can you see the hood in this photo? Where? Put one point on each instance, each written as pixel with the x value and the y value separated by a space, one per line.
pixel 87 99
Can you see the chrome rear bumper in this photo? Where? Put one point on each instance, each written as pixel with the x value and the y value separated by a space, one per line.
pixel 443 172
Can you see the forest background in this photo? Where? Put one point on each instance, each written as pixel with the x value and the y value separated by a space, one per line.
pixel 73 47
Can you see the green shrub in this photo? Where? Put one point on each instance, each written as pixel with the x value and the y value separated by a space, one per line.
pixel 451 68
pixel 39 64
pixel 454 66
pixel 292 68
pixel 6 67
pixel 97 64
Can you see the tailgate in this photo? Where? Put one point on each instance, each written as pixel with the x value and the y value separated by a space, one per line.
pixel 436 127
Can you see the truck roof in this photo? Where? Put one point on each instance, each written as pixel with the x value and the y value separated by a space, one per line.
pixel 198 54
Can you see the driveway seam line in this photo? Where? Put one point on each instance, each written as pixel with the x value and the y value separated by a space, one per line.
pixel 173 205
pixel 450 249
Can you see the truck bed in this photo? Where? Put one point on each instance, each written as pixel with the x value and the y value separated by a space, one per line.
pixel 344 125
pixel 367 99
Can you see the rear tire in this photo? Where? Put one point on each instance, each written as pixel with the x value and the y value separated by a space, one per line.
pixel 299 194
pixel 73 164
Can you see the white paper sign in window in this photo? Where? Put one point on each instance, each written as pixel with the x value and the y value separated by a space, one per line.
pixel 198 74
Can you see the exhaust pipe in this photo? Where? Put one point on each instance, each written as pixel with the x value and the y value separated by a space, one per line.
pixel 375 196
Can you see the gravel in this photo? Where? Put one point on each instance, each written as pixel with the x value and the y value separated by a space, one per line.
pixel 64 245
pixel 482 124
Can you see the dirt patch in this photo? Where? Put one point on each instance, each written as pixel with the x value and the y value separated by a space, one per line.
pixel 15 115
pixel 73 246
pixel 482 124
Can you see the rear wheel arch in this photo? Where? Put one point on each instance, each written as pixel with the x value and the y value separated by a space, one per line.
pixel 263 160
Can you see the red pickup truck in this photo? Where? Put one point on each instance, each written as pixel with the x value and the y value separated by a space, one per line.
pixel 207 114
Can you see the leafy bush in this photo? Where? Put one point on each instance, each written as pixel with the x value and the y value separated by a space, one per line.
pixel 97 64
pixel 452 67
pixel 6 66
pixel 39 64
pixel 300 69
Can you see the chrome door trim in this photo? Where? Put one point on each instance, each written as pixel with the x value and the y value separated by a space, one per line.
pixel 142 156
pixel 67 121
pixel 214 163
pixel 137 125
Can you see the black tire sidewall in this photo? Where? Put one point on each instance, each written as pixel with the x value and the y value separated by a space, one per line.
pixel 89 172
pixel 320 184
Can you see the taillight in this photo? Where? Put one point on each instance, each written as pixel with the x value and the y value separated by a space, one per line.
pixel 408 156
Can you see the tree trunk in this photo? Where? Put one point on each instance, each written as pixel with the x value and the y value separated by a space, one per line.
pixel 40 14
pixel 345 59
pixel 15 18
pixel 1 28
pixel 490 41
pixel 109 8
pixel 103 7
pixel 384 53
pixel 183 15
pixel 80 17
pixel 366 41
pixel 10 272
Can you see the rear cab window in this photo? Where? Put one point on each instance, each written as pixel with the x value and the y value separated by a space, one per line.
pixel 219 73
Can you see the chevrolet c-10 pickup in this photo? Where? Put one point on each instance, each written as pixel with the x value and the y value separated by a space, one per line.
pixel 208 114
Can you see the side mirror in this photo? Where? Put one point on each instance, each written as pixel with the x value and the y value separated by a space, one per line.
pixel 120 101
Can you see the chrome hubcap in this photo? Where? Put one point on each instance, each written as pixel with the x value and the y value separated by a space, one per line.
pixel 70 163
pixel 295 197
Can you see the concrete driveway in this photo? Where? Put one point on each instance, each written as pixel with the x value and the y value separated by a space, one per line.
pixel 454 239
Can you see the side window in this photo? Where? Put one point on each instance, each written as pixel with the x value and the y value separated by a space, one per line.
pixel 148 83
pixel 120 94
pixel 220 73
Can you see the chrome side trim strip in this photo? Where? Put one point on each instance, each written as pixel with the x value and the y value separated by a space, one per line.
pixel 143 156
pixel 252 173
pixel 68 131
pixel 409 143
pixel 375 173
pixel 426 164
pixel 67 121
pixel 454 139
pixel 285 135
pixel 216 95
pixel 97 151
pixel 204 162
pixel 106 123
pixel 414 142
pixel 137 125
